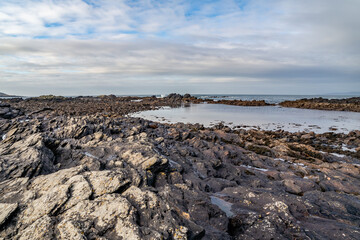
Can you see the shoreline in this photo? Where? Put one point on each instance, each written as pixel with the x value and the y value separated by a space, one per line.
pixel 173 100
pixel 78 168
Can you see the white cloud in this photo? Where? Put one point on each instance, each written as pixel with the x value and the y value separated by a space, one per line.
pixel 159 43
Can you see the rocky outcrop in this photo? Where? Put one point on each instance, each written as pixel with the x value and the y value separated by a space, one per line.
pixel 24 158
pixel 102 177
pixel 106 105
pixel 347 104
pixel 242 103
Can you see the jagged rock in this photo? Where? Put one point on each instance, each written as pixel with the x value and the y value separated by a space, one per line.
pixel 48 203
pixel 69 230
pixel 45 183
pixel 7 112
pixel 103 182
pixel 103 176
pixel 25 158
pixel 40 229
pixel 109 214
pixel 4 110
pixel 154 163
pixel 6 209
pixel 79 190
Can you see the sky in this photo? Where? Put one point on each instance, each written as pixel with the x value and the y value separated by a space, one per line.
pixel 92 47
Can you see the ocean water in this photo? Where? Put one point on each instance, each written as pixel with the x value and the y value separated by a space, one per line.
pixel 275 99
pixel 264 117
pixel 268 98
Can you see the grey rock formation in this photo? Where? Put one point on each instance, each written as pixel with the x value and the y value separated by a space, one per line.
pixel 6 209
pixel 100 177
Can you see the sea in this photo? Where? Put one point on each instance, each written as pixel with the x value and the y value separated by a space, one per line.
pixel 246 97
pixel 274 99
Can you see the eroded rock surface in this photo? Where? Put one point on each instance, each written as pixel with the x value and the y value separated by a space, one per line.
pixel 102 177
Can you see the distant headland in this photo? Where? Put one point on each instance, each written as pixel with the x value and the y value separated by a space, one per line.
pixel 6 95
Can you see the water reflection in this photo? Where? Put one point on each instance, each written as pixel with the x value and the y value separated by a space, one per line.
pixel 267 118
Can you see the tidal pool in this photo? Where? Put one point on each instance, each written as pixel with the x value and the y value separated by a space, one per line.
pixel 266 118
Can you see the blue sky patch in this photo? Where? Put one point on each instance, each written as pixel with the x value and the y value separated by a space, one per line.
pixel 54 24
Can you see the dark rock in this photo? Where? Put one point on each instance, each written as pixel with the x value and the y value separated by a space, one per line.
pixel 76 168
pixel 347 104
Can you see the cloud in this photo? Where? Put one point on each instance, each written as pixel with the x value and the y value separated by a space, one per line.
pixel 179 45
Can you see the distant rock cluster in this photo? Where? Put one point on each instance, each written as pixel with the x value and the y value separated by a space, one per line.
pixel 348 104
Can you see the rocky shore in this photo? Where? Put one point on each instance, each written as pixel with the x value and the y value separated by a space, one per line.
pixel 253 103
pixel 80 169
pixel 347 104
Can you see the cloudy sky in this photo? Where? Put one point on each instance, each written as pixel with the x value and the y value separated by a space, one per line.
pixel 74 47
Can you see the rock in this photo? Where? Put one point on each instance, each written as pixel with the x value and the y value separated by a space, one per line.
pixel 347 104
pixel 98 135
pixel 174 96
pixel 109 213
pixel 4 110
pixel 26 158
pixel 79 190
pixel 180 233
pixel 48 203
pixel 306 136
pixel 291 187
pixel 6 209
pixel 69 230
pixel 153 125
pixel 7 112
pixel 45 183
pixel 104 182
pixel 40 229
pixel 137 159
pixel 83 170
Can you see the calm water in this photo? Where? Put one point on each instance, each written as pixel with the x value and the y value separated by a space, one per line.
pixel 270 98
pixel 267 98
pixel 267 118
